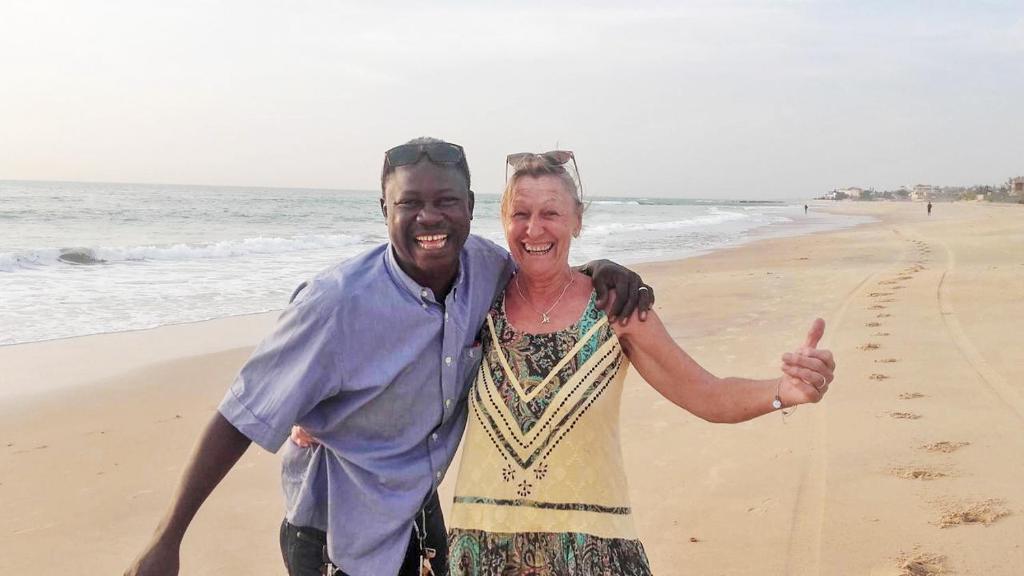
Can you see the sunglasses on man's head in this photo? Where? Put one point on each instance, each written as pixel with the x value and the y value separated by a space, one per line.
pixel 437 152
pixel 552 157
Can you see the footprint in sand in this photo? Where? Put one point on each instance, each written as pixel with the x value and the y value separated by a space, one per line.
pixel 910 396
pixel 916 473
pixel 887 300
pixel 877 307
pixel 873 324
pixel 984 512
pixel 944 446
pixel 878 377
pixel 172 419
pixel 762 507
pixel 905 278
pixel 887 360
pixel 921 564
pixel 869 346
pixel 885 315
pixel 878 294
pixel 881 334
pixel 904 415
pixel 897 287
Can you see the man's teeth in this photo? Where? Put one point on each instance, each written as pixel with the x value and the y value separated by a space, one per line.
pixel 538 248
pixel 432 241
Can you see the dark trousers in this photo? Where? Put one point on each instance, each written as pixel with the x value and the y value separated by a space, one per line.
pixel 303 548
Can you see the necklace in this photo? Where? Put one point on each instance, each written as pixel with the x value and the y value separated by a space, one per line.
pixel 544 318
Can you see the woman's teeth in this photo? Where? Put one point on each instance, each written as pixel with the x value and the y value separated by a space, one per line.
pixel 538 248
pixel 432 241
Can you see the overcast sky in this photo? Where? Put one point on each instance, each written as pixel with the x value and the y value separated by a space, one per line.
pixel 696 99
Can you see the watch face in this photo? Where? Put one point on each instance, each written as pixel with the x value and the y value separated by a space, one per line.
pixel 776 403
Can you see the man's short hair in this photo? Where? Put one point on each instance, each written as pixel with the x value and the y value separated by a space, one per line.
pixel 462 167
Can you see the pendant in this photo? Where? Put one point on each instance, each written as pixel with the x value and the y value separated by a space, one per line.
pixel 544 318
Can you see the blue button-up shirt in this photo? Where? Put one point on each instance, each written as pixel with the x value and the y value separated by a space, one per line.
pixel 375 368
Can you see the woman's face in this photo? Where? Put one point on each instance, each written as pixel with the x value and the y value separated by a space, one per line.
pixel 540 224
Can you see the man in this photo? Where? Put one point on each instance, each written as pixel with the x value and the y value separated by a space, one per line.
pixel 374 359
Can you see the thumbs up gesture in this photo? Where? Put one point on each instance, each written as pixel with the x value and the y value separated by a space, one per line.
pixel 807 371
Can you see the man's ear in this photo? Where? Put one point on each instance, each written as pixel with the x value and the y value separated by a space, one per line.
pixel 472 202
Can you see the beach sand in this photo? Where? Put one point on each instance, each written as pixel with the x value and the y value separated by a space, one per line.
pixel 911 465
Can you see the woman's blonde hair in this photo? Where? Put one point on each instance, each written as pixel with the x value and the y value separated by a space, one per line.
pixel 535 167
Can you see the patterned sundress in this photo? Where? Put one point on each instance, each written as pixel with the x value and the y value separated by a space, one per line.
pixel 542 489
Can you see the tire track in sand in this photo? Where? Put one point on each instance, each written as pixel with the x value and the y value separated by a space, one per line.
pixel 996 382
pixel 803 551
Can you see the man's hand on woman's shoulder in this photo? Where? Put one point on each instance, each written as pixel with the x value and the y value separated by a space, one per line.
pixel 620 291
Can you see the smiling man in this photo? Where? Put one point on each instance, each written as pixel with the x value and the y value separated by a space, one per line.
pixel 374 358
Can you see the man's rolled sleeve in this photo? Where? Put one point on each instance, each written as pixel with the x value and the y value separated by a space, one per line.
pixel 292 370
pixel 266 436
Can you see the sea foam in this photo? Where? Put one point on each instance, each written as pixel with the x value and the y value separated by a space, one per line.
pixel 13 261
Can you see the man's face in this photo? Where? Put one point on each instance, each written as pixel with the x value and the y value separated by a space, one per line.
pixel 428 209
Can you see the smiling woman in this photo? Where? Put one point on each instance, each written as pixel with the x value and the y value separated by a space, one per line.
pixel 542 486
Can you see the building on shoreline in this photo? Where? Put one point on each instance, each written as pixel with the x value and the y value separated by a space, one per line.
pixel 1015 187
pixel 922 192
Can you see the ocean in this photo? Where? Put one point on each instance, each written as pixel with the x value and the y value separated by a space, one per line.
pixel 87 258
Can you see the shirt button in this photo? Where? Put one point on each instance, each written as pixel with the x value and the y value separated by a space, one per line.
pixel 423 293
pixel 445 316
pixel 434 436
pixel 438 475
pixel 448 360
pixel 448 403
pixel 424 304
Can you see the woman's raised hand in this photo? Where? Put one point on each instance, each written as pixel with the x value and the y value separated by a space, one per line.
pixel 807 371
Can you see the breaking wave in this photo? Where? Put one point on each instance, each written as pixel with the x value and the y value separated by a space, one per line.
pixel 85 256
pixel 716 217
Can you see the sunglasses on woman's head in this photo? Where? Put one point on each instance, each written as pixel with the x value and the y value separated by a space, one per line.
pixel 552 157
pixel 437 152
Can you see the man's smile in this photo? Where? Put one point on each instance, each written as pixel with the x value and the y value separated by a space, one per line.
pixel 432 241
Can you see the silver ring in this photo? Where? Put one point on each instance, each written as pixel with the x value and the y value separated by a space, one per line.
pixel 642 288
pixel 818 387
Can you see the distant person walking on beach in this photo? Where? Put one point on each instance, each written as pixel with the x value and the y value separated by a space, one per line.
pixel 929 208
pixel 542 487
pixel 374 358
pixel 805 208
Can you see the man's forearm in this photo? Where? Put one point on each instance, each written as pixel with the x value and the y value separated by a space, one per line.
pixel 218 449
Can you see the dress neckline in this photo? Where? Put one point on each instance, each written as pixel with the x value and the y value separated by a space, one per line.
pixel 574 327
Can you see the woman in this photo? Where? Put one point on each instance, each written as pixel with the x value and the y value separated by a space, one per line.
pixel 541 488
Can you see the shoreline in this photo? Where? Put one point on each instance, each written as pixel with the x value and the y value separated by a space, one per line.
pixel 239 326
pixel 780 230
pixel 920 430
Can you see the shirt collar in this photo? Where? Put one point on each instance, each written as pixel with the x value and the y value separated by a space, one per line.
pixel 413 287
